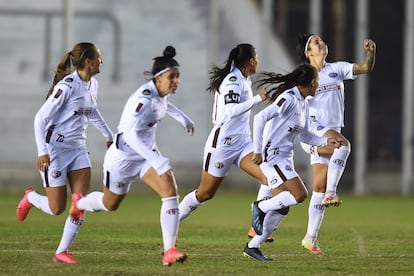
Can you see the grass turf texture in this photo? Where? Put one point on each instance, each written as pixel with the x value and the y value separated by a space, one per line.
pixel 365 236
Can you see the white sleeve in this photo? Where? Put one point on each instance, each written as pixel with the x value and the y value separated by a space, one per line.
pixel 311 139
pixel 235 109
pixel 47 113
pixel 99 123
pixel 259 122
pixel 180 116
pixel 131 137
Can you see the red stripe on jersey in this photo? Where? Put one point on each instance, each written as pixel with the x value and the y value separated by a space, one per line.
pixel 139 107
pixel 58 93
pixel 280 102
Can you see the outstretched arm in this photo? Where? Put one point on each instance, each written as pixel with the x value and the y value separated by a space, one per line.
pixel 369 61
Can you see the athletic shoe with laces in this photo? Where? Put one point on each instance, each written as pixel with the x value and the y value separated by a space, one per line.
pixel 173 255
pixel 24 205
pixel 64 257
pixel 251 234
pixel 331 200
pixel 312 245
pixel 255 253
pixel 74 212
pixel 257 218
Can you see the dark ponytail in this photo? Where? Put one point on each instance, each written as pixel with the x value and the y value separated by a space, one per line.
pixel 301 76
pixel 238 56
pixel 163 62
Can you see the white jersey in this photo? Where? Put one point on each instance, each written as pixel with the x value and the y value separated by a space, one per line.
pixel 139 119
pixel 63 119
pixel 231 110
pixel 284 120
pixel 327 106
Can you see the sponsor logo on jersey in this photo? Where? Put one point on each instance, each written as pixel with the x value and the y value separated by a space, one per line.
pixel 320 127
pixel 280 102
pixel 83 111
pixel 69 79
pixel 146 92
pixel 58 93
pixel 333 75
pixel 231 97
pixel 233 78
pixel 288 168
pixel 273 181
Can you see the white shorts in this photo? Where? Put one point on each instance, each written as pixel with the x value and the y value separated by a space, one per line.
pixel 218 160
pixel 120 172
pixel 278 173
pixel 63 161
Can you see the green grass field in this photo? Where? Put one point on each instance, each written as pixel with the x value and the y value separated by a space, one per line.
pixel 365 236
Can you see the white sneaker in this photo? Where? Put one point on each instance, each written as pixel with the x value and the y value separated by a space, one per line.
pixel 312 245
pixel 331 200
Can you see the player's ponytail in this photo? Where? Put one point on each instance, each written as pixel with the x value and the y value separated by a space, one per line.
pixel 74 59
pixel 238 57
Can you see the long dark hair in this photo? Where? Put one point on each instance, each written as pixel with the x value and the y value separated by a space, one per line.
pixel 75 59
pixel 301 76
pixel 301 41
pixel 238 57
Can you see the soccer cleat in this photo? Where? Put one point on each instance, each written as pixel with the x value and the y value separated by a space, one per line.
pixel 64 257
pixel 24 205
pixel 257 218
pixel 255 253
pixel 251 234
pixel 173 255
pixel 312 245
pixel 74 212
pixel 331 200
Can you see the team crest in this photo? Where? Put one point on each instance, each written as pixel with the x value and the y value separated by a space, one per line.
pixel 146 92
pixel 69 79
pixel 333 75
pixel 233 78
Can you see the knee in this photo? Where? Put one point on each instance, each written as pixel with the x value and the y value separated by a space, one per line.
pixel 204 196
pixel 283 211
pixel 57 210
pixel 112 206
pixel 301 196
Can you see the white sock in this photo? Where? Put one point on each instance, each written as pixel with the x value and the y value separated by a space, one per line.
pixel 92 202
pixel 41 202
pixel 169 221
pixel 70 231
pixel 264 192
pixel 188 205
pixel 279 201
pixel 315 212
pixel 271 222
pixel 336 167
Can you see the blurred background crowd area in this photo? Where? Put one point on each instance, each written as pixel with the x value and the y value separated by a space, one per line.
pixel 130 33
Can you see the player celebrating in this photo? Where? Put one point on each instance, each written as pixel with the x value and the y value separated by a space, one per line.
pixel 286 120
pixel 230 140
pixel 326 117
pixel 135 153
pixel 60 130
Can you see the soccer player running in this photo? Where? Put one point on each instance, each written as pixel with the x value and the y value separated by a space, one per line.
pixel 60 131
pixel 229 142
pixel 326 118
pixel 275 129
pixel 135 154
